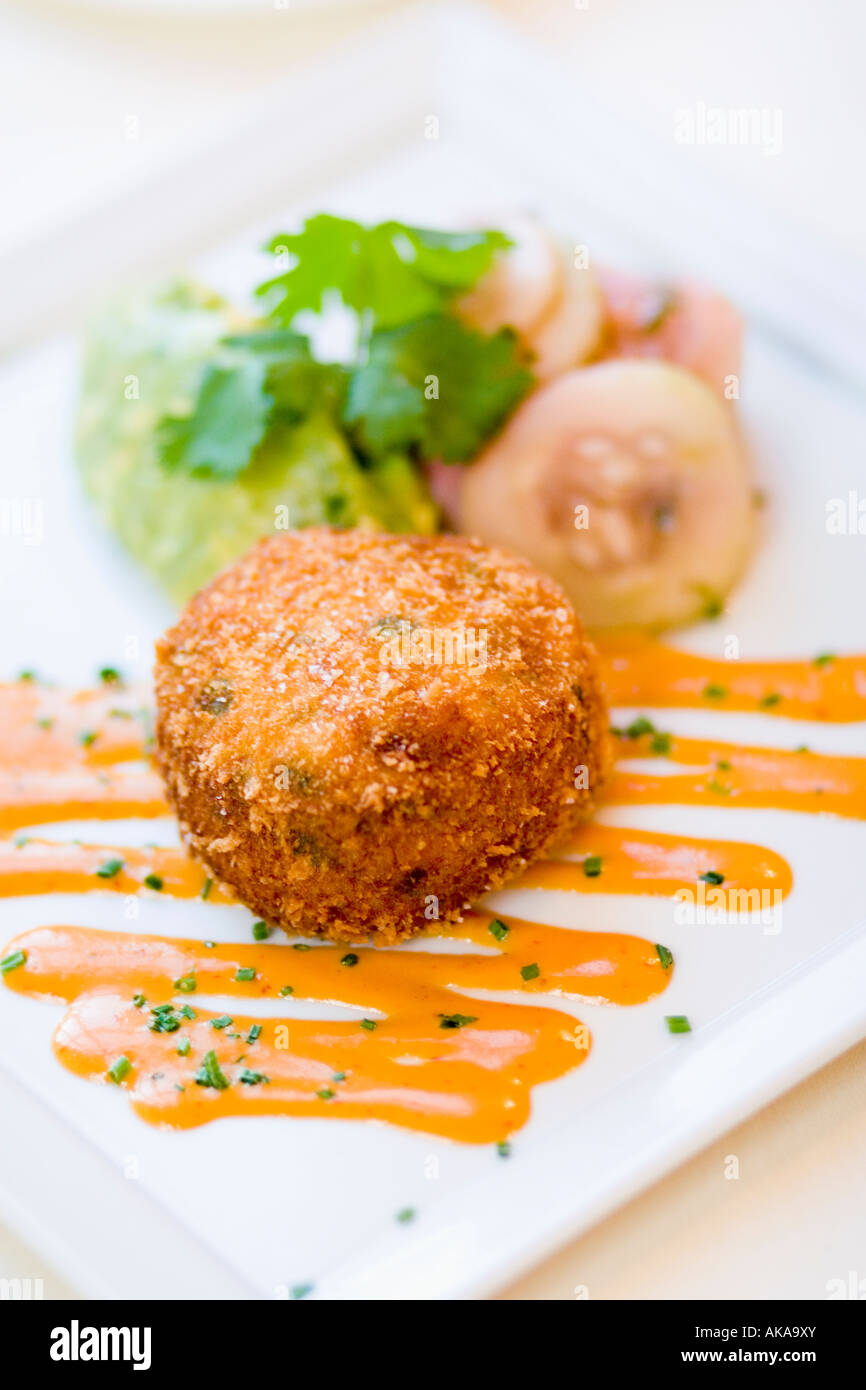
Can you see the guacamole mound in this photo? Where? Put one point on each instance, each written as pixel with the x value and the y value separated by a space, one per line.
pixel 143 361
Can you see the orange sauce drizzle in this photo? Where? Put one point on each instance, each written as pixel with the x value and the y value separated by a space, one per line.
pixel 425 1052
pixel 438 1060
pixel 639 671
pixel 648 862
pixel 60 751
pixel 730 773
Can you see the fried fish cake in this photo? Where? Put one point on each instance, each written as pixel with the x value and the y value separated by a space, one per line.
pixel 360 733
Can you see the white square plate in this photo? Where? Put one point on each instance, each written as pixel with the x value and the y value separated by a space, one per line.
pixel 247 1208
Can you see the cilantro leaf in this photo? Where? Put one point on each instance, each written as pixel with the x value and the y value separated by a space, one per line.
pixel 390 273
pixel 454 260
pixel 228 421
pixel 259 381
pixel 435 387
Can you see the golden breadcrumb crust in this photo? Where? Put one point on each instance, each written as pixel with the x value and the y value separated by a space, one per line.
pixel 359 732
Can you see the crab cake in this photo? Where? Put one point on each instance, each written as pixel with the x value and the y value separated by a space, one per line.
pixel 360 733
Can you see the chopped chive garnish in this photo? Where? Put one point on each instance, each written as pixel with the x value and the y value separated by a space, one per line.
pixel 255 1033
pixel 244 973
pixel 678 1023
pixel 139 1000
pixel 27 675
pixel 665 956
pixel 253 1078
pixel 823 659
pixel 153 881
pixel 723 765
pixel 287 989
pixel 301 946
pixel 592 866
pixel 368 1023
pixel 350 959
pixel 713 604
pixel 714 785
pixel 120 1067
pixel 640 726
pixel 87 738
pixel 12 961
pixel 45 723
pixel 302 1290
pixel 712 876
pixel 498 929
pixel 406 1215
pixel 206 887
pixel 109 675
pixel 715 692
pixel 109 868
pixel 456 1020
pixel 163 1021
pixel 503 1148
pixel 208 945
pixel 210 1073
pixel 186 1012
pixel 183 1047
pixel 768 701
pixel 261 931
pixel 339 1076
pixel 660 744
pixel 222 1022
pixel 186 984
pixel 326 1093
pixel 530 972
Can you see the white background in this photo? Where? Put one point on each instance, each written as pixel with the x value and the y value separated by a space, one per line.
pixel 94 99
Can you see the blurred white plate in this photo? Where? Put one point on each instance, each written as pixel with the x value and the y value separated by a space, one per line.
pixel 248 1208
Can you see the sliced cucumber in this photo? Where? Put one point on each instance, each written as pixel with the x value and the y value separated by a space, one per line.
pixel 628 482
